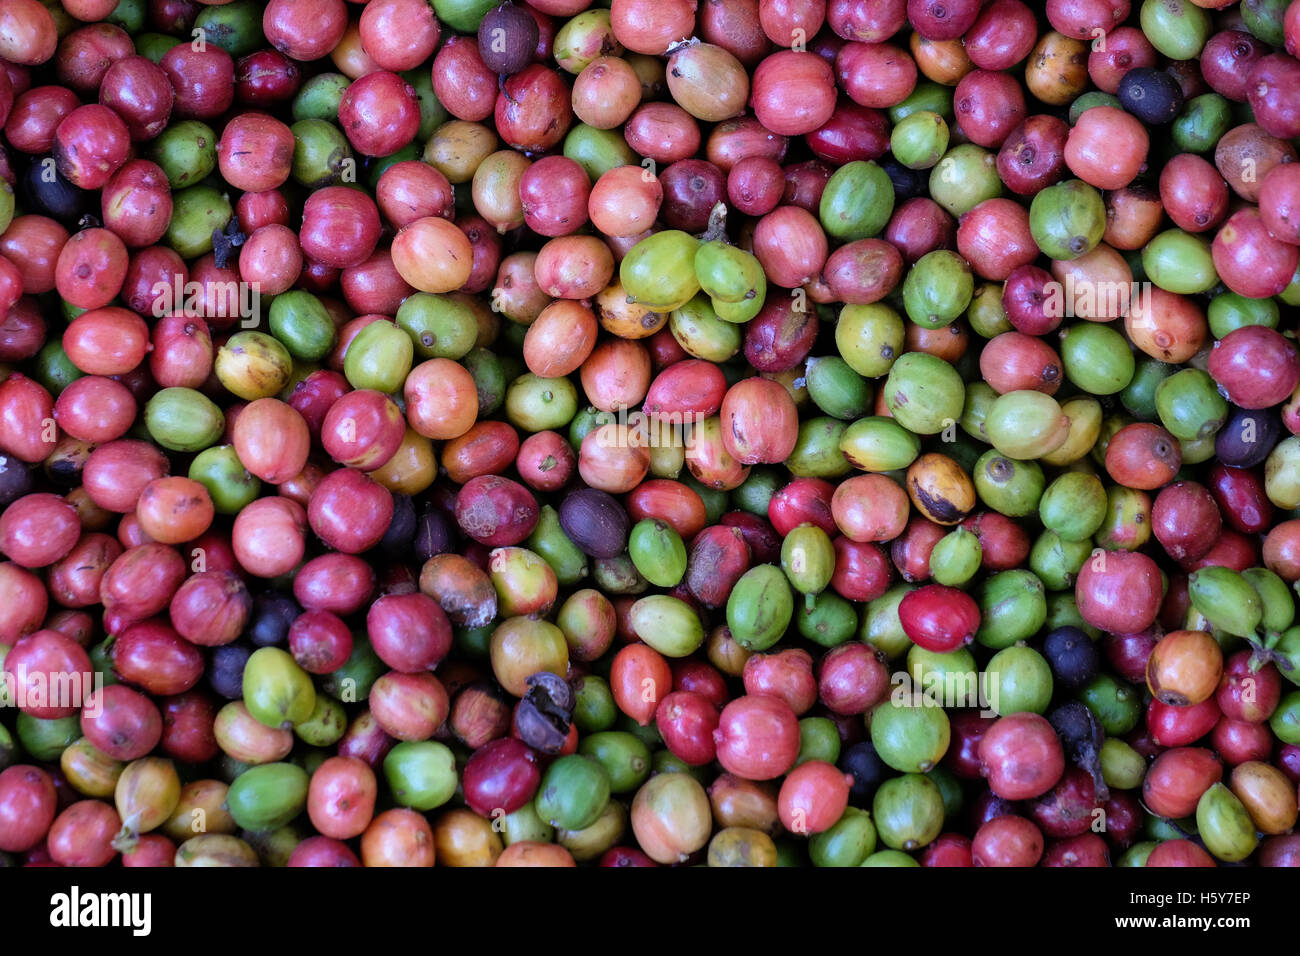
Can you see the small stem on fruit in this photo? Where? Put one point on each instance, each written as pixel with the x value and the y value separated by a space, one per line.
pixel 501 85
pixel 717 229
pixel 128 838
pixel 1262 654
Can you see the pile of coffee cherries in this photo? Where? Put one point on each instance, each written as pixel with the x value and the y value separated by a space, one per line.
pixel 649 432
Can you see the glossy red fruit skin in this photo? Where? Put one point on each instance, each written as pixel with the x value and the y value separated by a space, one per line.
pixel 379 113
pixel 1021 756
pixel 1237 741
pixel 116 473
pixel 502 775
pixel 74 581
pixel 1227 59
pixel 793 93
pixel 1002 35
pixel 153 656
pixel 988 806
pixel 1273 91
pixel 121 722
pixel 625 856
pixel 788 675
pixel 1240 495
pixel 1193 193
pixel 760 423
pixel 188 720
pixel 851 679
pixel 686 721
pixel 1287 759
pixel 689 387
pixel 211 607
pixel 82 835
pixel 462 82
pixel 342 583
pixel 496 511
pixel 813 796
pixel 967 728
pixel 1185 520
pixel 918 226
pixel 1249 260
pixel 1179 853
pixel 48 675
pixel 757 737
pixel 1232 550
pixel 1126 48
pixel 341 799
pixel 989 105
pixel 802 500
pixel 1278 195
pixel 948 849
pixel 141 582
pixel 95 409
pixel 90 144
pixel 939 618
pixel 1106 148
pixel 1067 809
pixel 1176 779
pixel 1172 726
pixel 1248 695
pixel 409 632
pixel 1119 591
pixel 1087 849
pixel 320 641
pixel 911 551
pixel 995 238
pixel 363 429
pixel 546 461
pixel 862 570
pixel 532 111
pixel 1124 818
pixel 1128 654
pixel 1033 154
pixel 854 132
pixel 349 511
pixel 28 804
pixel 38 529
pixel 1255 366
pixel 780 337
pixel 718 557
pixel 367 739
pixel 763 542
pixel 340 227
pixel 1005 544
pixel 1142 456
pixel 409 706
pixel 265 78
pixel 1012 361
pixel 1279 851
pixel 1007 841
pixel 322 851
pixel 1025 297
pixel 701 678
